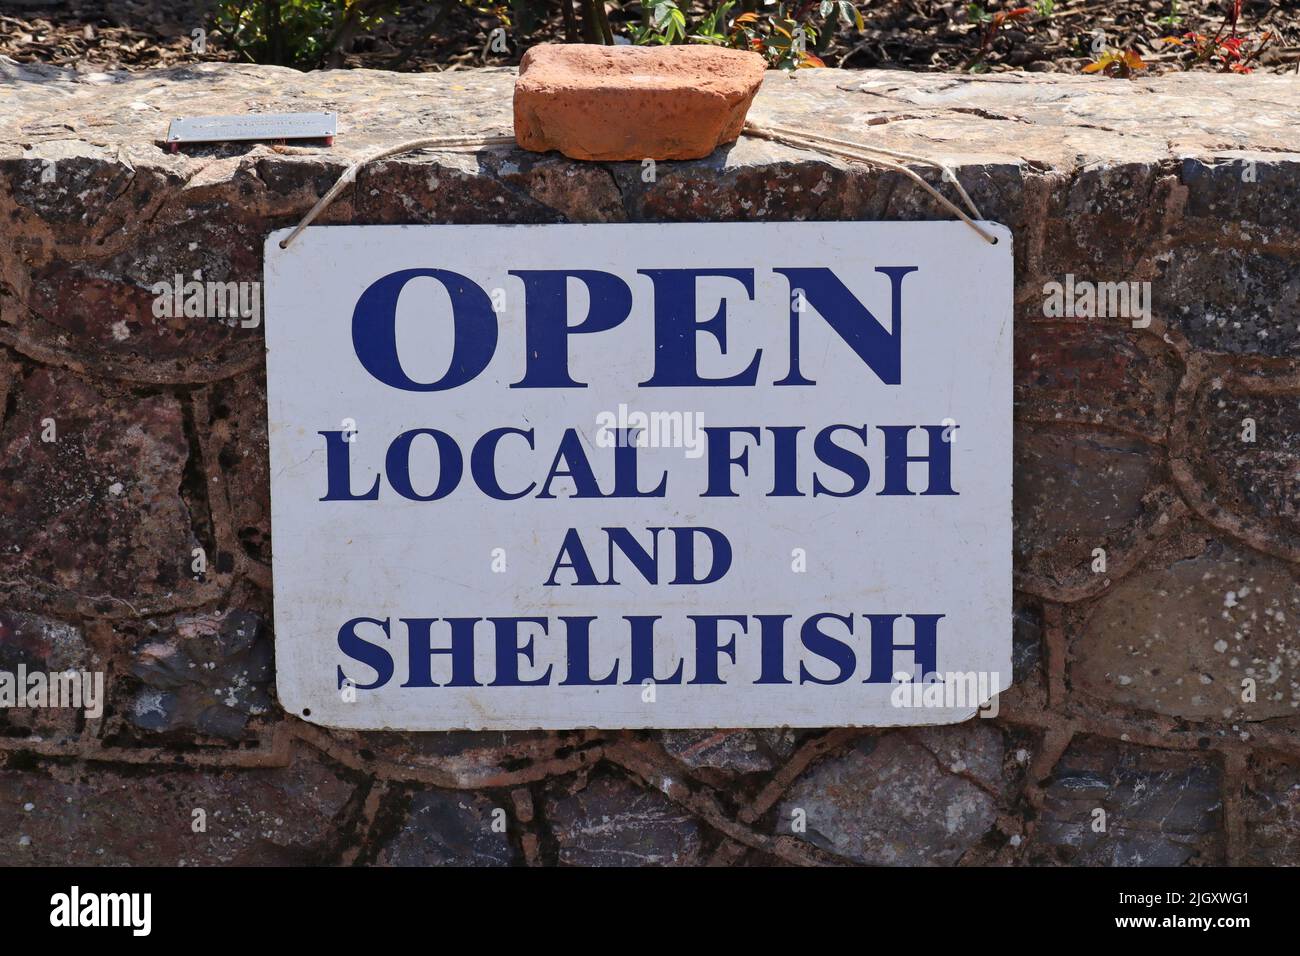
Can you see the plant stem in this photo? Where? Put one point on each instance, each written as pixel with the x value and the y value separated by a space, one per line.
pixel 274 32
pixel 590 23
pixel 602 17
pixel 570 22
pixel 434 24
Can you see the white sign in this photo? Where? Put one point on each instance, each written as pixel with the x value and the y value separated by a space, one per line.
pixel 690 475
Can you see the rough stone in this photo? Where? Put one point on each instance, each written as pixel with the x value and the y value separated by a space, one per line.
pixel 736 751
pixel 127 213
pixel 459 189
pixel 933 795
pixel 237 429
pixel 1232 195
pixel 1161 808
pixel 111 817
pixel 1271 815
pixel 97 511
pixel 41 644
pixel 97 236
pixel 8 373
pixel 1075 491
pixel 1180 640
pixel 1140 180
pixel 1239 298
pixel 1099 219
pixel 612 822
pixel 443 828
pixel 1260 477
pixel 471 758
pixel 578 192
pixel 633 103
pixel 207 673
pixel 1096 374
pixel 755 180
pixel 1027 641
pixel 38 641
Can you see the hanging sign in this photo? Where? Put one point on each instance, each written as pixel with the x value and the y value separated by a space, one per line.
pixel 658 475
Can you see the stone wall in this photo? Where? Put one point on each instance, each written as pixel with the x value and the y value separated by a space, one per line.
pixel 1128 693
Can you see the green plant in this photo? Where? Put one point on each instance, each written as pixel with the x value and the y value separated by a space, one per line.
pixel 1230 54
pixel 665 23
pixel 788 35
pixel 990 23
pixel 1044 8
pixel 306 34
pixel 309 34
pixel 712 27
pixel 783 40
pixel 1121 63
pixel 1173 18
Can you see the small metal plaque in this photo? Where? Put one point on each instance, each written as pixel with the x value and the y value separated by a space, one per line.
pixel 268 126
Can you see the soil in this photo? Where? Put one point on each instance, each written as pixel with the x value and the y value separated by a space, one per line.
pixel 901 34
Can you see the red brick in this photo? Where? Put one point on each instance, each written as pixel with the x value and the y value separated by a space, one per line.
pixel 620 103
